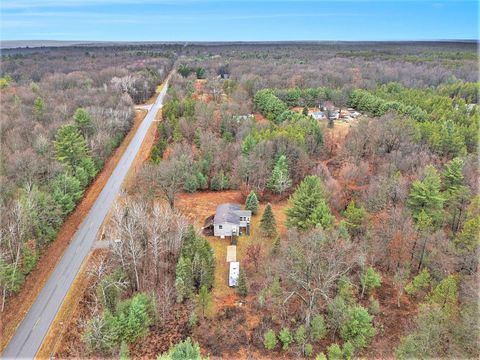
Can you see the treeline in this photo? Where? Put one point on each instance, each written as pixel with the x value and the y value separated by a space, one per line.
pixel 446 124
pixel 58 128
pixel 283 66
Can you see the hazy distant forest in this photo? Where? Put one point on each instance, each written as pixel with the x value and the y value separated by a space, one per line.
pixel 365 231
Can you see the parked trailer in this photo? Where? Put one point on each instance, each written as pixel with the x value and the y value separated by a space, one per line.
pixel 233 275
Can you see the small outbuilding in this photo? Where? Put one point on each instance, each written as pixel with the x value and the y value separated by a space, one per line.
pixel 231 253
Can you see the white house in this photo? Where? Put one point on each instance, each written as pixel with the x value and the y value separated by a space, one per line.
pixel 231 220
pixel 318 115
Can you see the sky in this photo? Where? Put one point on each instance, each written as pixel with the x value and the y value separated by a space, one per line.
pixel 235 20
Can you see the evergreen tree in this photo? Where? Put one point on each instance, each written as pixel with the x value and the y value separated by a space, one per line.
pixel 358 328
pixel 425 195
pixel 198 264
pixel 318 329
pixel 419 283
pixel 70 146
pixel 334 352
pixel 308 208
pixel 268 224
pixel 83 121
pixel 67 190
pixel 453 174
pixel 204 301
pixel 183 351
pixel 445 295
pixel 184 279
pixel 39 108
pixel 468 239
pixel 285 338
pixel 280 179
pixel 322 216
pixel 242 287
pixel 354 218
pixel 270 340
pixel 370 280
pixel 251 203
pixel 305 111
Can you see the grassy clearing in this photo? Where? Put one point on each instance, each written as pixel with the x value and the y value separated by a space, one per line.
pixel 198 206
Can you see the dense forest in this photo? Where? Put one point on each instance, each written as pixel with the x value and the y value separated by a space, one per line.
pixel 63 113
pixel 364 239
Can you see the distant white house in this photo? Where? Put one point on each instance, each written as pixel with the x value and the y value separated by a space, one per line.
pixel 240 118
pixel 318 115
pixel 231 220
pixel 233 274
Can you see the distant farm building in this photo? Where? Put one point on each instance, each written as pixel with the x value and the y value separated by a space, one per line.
pixel 231 220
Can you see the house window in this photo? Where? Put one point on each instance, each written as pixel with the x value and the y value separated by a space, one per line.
pixel 220 227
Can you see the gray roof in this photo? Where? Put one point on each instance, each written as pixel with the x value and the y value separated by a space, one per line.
pixel 229 213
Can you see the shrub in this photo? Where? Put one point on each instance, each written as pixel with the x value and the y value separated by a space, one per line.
pixel 286 338
pixel 348 350
pixel 374 306
pixel 318 328
pixel 270 340
pixel 334 352
pixel 421 282
pixel 370 280
pixel 183 350
pixel 300 335
pixel 308 350
pixel 358 328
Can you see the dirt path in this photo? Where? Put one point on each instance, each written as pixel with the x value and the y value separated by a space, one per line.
pixel 18 305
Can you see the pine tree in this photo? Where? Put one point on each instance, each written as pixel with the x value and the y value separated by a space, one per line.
pixel 251 203
pixel 305 111
pixel 425 195
pixel 453 174
pixel 358 328
pixel 280 179
pixel 204 301
pixel 354 218
pixel 39 108
pixel 183 280
pixel 268 224
pixel 370 280
pixel 286 338
pixel 270 340
pixel 242 288
pixel 67 190
pixel 70 146
pixel 308 208
pixel 445 295
pixel 83 121
pixel 468 239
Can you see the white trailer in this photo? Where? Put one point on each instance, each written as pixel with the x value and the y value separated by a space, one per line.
pixel 233 275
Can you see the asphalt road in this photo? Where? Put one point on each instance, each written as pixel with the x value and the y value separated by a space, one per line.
pixel 31 332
